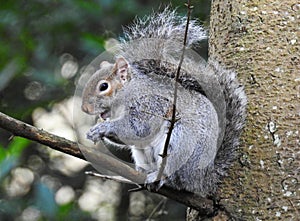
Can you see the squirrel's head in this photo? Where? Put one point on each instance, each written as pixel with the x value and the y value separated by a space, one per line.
pixel 103 85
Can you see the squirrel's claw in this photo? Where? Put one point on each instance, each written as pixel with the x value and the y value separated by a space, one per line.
pixel 152 184
pixel 96 133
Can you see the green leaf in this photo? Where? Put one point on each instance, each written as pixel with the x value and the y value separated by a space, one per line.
pixel 9 157
pixel 2 153
pixel 17 145
pixel 65 210
pixel 92 43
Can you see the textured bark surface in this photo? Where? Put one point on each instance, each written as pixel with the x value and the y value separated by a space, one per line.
pixel 260 40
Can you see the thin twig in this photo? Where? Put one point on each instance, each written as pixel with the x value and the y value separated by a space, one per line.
pixel 161 204
pixel 173 120
pixel 118 179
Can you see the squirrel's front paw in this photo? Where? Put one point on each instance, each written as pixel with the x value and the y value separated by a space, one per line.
pixel 152 184
pixel 96 133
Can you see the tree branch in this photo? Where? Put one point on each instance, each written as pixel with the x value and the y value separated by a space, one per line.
pixel 19 128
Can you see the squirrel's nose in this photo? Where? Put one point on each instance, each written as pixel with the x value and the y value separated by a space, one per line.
pixel 87 108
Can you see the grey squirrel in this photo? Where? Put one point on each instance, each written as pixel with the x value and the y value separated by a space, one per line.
pixel 134 97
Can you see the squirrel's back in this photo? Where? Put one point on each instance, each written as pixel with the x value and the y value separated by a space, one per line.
pixel 166 31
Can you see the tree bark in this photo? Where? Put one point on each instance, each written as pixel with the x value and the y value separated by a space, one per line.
pixel 260 40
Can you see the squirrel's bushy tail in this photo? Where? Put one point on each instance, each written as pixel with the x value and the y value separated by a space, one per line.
pixel 160 36
pixel 167 25
pixel 235 101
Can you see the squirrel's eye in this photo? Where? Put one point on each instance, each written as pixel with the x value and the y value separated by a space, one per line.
pixel 103 86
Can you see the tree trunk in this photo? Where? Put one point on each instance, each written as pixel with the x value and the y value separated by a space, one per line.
pixel 260 40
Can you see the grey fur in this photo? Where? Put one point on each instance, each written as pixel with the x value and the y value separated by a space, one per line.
pixel 205 138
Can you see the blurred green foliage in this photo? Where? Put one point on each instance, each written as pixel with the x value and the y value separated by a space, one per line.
pixel 10 155
pixel 35 34
pixel 35 38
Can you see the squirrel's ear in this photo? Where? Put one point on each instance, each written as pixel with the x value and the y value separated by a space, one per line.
pixel 104 64
pixel 122 67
